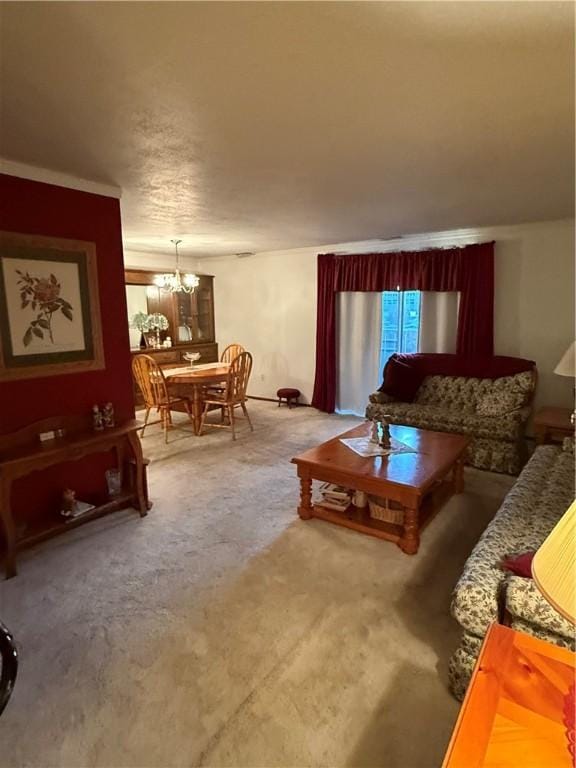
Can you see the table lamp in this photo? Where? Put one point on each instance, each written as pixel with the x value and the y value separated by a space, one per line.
pixel 554 565
pixel 567 367
pixel 554 573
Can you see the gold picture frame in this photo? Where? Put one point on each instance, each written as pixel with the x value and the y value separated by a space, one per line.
pixel 49 307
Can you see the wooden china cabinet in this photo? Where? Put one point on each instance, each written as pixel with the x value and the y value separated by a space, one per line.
pixel 190 319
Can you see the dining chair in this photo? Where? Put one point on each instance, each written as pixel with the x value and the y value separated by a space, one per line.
pixel 150 379
pixel 232 396
pixel 231 351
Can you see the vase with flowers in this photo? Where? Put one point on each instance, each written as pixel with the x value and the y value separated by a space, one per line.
pixel 157 322
pixel 140 322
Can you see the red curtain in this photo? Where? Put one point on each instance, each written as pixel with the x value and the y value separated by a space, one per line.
pixel 469 270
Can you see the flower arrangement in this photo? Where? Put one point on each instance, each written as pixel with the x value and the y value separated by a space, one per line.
pixel 157 322
pixel 140 322
pixel 145 323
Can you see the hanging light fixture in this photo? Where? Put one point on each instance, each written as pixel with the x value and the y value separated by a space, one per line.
pixel 177 282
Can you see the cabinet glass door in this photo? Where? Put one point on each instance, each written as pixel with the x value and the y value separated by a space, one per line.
pixel 195 315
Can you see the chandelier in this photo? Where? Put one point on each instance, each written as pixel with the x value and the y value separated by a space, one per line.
pixel 177 282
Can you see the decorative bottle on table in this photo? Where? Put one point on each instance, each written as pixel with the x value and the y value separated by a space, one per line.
pixel 97 419
pixel 108 415
pixel 384 435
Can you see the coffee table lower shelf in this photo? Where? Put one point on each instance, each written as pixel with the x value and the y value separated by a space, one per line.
pixel 359 518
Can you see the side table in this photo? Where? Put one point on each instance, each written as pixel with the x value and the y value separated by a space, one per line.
pixel 519 706
pixel 552 425
pixel 22 453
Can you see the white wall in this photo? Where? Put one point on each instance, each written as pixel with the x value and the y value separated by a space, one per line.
pixel 534 315
pixel 267 302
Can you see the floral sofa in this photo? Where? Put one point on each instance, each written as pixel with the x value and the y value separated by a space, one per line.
pixel 485 593
pixel 488 399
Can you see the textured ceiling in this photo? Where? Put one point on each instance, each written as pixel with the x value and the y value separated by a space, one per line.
pixel 258 126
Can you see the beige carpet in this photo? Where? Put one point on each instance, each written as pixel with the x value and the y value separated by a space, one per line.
pixel 223 631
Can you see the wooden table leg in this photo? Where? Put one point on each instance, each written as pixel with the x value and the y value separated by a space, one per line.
pixel 8 526
pixel 305 509
pixel 458 476
pixel 134 441
pixel 540 433
pixel 132 467
pixel 197 407
pixel 410 540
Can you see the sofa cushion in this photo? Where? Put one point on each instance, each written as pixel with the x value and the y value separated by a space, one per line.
pixel 556 495
pixel 522 384
pixel 499 403
pixel 442 418
pixel 466 393
pixel 526 603
pixel 453 391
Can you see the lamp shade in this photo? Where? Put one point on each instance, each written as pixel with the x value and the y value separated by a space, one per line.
pixel 554 565
pixel 567 365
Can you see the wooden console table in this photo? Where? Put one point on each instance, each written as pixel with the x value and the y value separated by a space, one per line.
pixel 22 453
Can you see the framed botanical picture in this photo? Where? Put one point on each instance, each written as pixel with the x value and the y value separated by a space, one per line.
pixel 49 307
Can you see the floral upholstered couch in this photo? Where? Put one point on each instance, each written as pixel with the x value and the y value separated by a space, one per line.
pixel 485 592
pixel 490 402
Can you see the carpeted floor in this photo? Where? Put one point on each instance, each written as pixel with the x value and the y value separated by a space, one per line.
pixel 223 631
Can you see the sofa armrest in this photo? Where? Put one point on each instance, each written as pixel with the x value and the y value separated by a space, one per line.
pixel 525 601
pixel 476 600
pixel 515 422
pixel 381 398
pixel 523 414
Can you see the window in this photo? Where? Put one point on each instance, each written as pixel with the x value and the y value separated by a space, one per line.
pixel 400 323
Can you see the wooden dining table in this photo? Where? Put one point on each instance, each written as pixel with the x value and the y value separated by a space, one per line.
pixel 190 380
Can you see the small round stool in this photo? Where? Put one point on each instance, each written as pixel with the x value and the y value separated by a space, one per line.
pixel 288 394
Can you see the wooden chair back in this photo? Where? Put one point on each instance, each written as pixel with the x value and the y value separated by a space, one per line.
pixel 231 351
pixel 150 379
pixel 238 376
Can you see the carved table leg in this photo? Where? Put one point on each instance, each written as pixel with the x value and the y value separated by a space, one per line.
pixel 134 441
pixel 305 509
pixel 8 526
pixel 410 540
pixel 459 476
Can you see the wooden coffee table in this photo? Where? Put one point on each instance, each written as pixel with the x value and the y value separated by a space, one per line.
pixel 420 482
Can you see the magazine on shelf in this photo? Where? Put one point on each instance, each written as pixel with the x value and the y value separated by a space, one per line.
pixel 341 506
pixel 328 490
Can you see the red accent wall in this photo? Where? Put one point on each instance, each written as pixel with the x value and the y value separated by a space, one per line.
pixel 35 208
